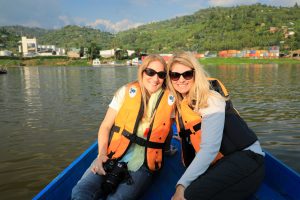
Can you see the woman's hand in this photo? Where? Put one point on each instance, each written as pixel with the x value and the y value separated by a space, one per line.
pixel 179 194
pixel 103 137
pixel 177 137
pixel 98 164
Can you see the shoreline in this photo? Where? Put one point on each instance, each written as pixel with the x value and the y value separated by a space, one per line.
pixel 218 60
pixel 87 63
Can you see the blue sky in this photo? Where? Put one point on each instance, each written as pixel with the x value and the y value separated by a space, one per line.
pixel 108 15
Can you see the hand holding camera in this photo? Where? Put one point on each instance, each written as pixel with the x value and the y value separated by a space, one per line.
pixel 98 164
pixel 116 172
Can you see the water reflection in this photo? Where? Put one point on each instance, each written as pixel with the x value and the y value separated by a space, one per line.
pixel 49 115
pixel 31 96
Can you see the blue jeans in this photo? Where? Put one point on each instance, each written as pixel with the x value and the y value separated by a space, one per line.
pixel 89 186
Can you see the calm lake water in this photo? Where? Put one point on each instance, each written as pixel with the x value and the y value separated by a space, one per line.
pixel 50 115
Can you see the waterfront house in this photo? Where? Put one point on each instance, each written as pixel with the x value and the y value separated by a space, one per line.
pixel 112 52
pixel 74 53
pixel 28 47
pixel 5 53
pixel 107 53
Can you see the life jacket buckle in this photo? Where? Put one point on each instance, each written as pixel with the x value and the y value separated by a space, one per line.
pixel 193 131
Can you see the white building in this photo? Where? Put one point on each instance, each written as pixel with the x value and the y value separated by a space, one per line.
pixel 107 53
pixel 111 53
pixel 28 47
pixel 60 51
pixel 50 50
pixel 74 53
pixel 5 53
pixel 130 52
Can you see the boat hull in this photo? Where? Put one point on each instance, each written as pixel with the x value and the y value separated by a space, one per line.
pixel 280 181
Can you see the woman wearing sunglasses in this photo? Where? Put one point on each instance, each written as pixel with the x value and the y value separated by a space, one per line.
pixel 223 157
pixel 131 137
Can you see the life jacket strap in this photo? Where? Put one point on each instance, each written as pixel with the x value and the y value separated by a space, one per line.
pixel 112 131
pixel 188 132
pixel 141 141
pixel 115 129
pixel 197 127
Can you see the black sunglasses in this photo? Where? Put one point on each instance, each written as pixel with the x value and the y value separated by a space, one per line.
pixel 187 75
pixel 152 72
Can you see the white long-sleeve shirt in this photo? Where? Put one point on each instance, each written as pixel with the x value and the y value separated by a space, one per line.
pixel 212 125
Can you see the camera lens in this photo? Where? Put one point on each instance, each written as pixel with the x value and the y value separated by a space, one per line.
pixel 115 176
pixel 109 165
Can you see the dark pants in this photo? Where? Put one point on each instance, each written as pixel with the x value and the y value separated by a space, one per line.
pixel 233 177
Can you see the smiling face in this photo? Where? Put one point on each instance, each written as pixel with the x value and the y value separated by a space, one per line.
pixel 153 83
pixel 181 85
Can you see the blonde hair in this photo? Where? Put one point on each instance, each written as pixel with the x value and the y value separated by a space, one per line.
pixel 200 91
pixel 142 67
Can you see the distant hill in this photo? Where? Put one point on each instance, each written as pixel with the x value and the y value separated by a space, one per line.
pixel 76 36
pixel 217 28
pixel 66 37
pixel 25 31
pixel 11 35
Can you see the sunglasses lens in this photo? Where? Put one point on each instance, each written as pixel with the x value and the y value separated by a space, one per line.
pixel 188 75
pixel 161 75
pixel 152 72
pixel 174 76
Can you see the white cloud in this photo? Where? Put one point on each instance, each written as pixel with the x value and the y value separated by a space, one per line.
pixel 231 2
pixel 114 27
pixel 103 24
pixel 65 20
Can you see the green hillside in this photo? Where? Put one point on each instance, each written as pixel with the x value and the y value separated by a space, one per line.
pixel 66 37
pixel 218 28
pixel 27 31
pixel 11 35
pixel 75 36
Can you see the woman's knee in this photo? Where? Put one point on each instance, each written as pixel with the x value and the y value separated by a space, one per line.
pixel 88 187
pixel 80 192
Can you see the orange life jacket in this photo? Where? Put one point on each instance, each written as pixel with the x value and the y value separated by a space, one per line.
pixel 127 121
pixel 189 126
pixel 236 135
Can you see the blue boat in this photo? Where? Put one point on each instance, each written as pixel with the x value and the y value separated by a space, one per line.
pixel 280 182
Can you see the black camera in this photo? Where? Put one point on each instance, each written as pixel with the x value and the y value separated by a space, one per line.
pixel 116 172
